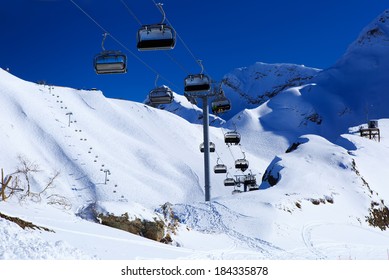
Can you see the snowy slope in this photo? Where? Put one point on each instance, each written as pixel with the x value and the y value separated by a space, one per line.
pixel 180 106
pixel 315 204
pixel 249 87
pixel 105 134
pixel 150 161
pixel 345 95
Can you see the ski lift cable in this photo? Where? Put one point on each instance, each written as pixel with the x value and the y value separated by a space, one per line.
pixel 244 155
pixel 92 19
pixel 177 63
pixel 229 148
pixel 140 23
pixel 182 41
pixel 122 45
pixel 240 146
pixel 218 158
pixel 131 12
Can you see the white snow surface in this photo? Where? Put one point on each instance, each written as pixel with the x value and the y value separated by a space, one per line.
pixel 317 210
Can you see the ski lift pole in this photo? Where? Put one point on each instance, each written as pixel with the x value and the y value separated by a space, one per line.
pixel 69 114
pixel 207 186
pixel 107 172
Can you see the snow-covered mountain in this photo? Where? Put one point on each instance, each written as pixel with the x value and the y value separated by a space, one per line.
pixel 76 158
pixel 249 87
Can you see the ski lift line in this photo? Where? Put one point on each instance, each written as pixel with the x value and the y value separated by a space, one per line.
pixel 180 38
pixel 159 6
pixel 92 19
pixel 240 146
pixel 229 148
pixel 177 63
pixel 140 23
pixel 218 158
pixel 244 155
pixel 143 62
pixel 122 45
pixel 131 12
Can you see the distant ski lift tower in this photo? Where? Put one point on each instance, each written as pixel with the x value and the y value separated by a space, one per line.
pixel 107 172
pixel 69 114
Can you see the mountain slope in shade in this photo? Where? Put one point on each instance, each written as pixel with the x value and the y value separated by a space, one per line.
pixel 180 106
pixel 249 87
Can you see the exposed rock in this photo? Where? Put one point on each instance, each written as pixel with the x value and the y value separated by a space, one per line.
pixel 154 230
pixel 23 224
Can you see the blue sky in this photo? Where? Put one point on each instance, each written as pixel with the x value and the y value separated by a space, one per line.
pixel 53 40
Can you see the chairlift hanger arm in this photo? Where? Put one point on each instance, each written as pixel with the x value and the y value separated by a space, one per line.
pixel 200 63
pixel 159 5
pixel 103 41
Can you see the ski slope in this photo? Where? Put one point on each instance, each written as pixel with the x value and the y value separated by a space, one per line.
pixel 116 157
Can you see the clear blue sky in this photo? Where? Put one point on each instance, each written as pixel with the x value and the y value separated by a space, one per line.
pixel 53 40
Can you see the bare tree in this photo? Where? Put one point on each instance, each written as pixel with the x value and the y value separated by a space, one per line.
pixel 4 186
pixel 26 169
pixel 7 189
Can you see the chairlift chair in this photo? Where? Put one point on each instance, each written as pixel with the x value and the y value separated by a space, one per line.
pixel 229 182
pixel 110 62
pixel 250 180
pixel 211 147
pixel 161 95
pixel 197 83
pixel 220 168
pixel 220 105
pixel 232 137
pixel 242 164
pixel 156 37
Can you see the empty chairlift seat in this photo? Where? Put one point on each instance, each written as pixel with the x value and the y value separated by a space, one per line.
pixel 232 138
pixel 197 83
pixel 229 182
pixel 242 164
pixel 220 168
pixel 211 147
pixel 161 95
pixel 110 62
pixel 156 37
